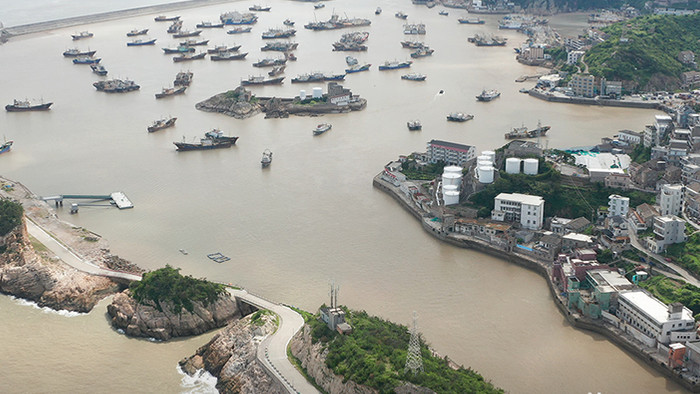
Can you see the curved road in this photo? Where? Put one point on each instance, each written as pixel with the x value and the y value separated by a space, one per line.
pixel 271 352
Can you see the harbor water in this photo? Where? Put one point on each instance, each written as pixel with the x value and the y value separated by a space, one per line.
pixel 312 217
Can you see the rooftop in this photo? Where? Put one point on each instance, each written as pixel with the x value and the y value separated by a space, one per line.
pixel 521 198
pixel 578 237
pixel 450 145
pixel 654 308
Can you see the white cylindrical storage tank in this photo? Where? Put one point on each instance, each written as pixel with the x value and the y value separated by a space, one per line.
pixel 530 166
pixel 484 163
pixel 451 179
pixel 449 188
pixel 451 197
pixel 317 92
pixel 491 154
pixel 512 165
pixel 452 169
pixel 484 158
pixel 486 174
pixel 302 94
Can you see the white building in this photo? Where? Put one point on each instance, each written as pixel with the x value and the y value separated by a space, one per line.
pixel 656 322
pixel 572 57
pixel 670 199
pixel 450 152
pixel 583 85
pixel 667 230
pixel 523 208
pixel 618 205
pixel 629 136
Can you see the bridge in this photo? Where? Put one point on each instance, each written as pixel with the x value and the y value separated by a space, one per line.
pixel 271 352
pixel 119 199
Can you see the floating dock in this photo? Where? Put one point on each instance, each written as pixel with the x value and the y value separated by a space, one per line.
pixel 118 199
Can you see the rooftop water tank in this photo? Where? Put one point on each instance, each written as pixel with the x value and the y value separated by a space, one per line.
pixel 452 179
pixel 452 169
pixel 317 93
pixel 302 94
pixel 530 166
pixel 486 174
pixel 451 198
pixel 512 165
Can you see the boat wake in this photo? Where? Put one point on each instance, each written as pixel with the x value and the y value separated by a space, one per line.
pixel 201 383
pixel 46 309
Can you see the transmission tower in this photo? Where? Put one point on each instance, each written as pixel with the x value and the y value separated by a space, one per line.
pixel 414 360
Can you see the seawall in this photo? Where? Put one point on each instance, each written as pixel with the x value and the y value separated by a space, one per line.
pixel 595 101
pixel 107 16
pixel 543 269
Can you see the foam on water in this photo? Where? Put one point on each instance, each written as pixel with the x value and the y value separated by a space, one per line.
pixel 46 309
pixel 202 382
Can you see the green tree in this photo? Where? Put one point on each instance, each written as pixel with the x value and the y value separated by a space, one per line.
pixel 10 215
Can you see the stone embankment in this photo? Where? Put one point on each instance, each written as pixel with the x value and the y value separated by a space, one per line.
pixel 594 101
pixel 162 322
pixel 237 103
pixel 544 268
pixel 231 357
pixel 37 275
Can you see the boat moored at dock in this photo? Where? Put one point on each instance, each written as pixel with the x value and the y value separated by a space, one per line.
pixel 523 132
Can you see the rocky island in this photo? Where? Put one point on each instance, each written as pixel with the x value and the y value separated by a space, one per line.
pixel 241 103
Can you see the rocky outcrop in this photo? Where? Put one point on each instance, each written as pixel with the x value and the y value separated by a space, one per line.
pixel 163 323
pixel 34 276
pixel 239 103
pixel 231 357
pixel 313 359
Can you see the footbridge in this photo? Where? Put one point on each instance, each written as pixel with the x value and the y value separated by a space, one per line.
pixel 118 199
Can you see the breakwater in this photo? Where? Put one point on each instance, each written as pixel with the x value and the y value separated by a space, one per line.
pixel 544 269
pixel 106 16
pixel 595 101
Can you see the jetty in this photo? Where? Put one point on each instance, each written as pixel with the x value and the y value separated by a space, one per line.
pixel 118 199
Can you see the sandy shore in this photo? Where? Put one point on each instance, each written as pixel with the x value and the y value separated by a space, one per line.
pixel 108 16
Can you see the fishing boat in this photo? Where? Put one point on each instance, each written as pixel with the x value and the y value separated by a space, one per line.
pixel 161 124
pixel 183 78
pixel 414 125
pixel 443 13
pixel 488 95
pixel 276 70
pixel 319 6
pixel 523 132
pixel 261 80
pixel 290 56
pixel 239 30
pixel 393 65
pixel 137 32
pixel 209 25
pixel 266 158
pixel 288 22
pixel 188 56
pixel 278 33
pixel 116 86
pixel 400 15
pixel 412 44
pixel 269 62
pixel 422 52
pixel 180 49
pixel 471 21
pixel 280 46
pixel 223 48
pixel 205 143
pixel 228 56
pixel 163 18
pixel 356 68
pixel 259 8
pixel 459 117
pixel 81 35
pixel 236 18
pixel 187 33
pixel 414 77
pixel 141 42
pixel 414 28
pixel 322 128
pixel 5 147
pixel 86 60
pixel 166 92
pixel 26 105
pixel 378 11
pixel 98 69
pixel 193 43
pixel 75 52
pixel 175 27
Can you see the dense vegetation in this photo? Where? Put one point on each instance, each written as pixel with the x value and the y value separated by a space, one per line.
pixel 561 200
pixel 167 285
pixel 640 154
pixel 375 355
pixel 573 5
pixel 649 56
pixel 687 254
pixel 10 216
pixel 427 173
pixel 669 290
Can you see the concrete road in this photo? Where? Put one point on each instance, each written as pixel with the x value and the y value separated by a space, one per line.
pixel 69 257
pixel 272 351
